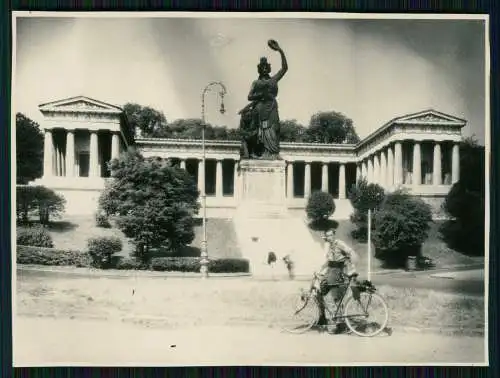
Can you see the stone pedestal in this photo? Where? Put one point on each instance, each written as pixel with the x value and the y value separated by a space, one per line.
pixel 262 186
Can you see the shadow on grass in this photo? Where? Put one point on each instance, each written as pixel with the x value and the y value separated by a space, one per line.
pixel 62 226
pixel 324 225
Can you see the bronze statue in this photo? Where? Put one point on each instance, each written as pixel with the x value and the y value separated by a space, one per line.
pixel 260 123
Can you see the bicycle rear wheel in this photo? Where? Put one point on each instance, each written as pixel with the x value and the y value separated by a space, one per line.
pixel 299 312
pixel 366 316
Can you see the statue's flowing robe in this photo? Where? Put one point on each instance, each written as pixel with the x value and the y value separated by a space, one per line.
pixel 266 115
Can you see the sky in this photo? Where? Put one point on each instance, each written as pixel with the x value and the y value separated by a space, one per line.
pixel 369 70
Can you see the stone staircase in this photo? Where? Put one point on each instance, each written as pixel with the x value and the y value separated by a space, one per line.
pixel 262 229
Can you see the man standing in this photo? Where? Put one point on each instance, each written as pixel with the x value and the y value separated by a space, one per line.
pixel 339 263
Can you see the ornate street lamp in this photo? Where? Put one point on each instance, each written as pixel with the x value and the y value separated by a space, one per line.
pixel 204 250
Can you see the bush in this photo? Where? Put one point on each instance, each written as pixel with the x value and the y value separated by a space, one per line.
pixel 101 249
pixel 50 256
pixel 364 196
pixel 401 226
pixel 320 206
pixel 101 220
pixel 192 264
pixel 34 236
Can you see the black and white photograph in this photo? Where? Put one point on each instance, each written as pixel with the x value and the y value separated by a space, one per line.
pixel 250 189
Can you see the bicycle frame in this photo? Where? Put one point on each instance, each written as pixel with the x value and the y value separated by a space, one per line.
pixel 313 292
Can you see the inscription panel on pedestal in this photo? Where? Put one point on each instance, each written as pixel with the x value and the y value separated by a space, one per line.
pixel 263 181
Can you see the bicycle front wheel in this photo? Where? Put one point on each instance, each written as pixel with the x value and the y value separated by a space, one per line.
pixel 366 316
pixel 300 312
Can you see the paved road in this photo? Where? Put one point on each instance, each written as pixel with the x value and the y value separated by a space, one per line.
pixel 465 285
pixel 471 284
pixel 56 342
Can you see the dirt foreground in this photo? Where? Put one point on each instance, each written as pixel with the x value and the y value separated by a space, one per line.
pixel 58 342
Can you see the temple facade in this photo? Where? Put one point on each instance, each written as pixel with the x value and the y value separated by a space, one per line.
pixel 418 151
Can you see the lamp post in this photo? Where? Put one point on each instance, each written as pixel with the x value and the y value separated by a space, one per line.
pixel 204 250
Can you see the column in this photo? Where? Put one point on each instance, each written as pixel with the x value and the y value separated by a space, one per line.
pixel 342 181
pixel 62 163
pixel 289 177
pixel 398 164
pixel 417 165
pixel 358 172
pixel 183 164
pixel 219 179
pixel 48 153
pixel 324 177
pixel 307 180
pixel 383 169
pixel 235 180
pixel 390 167
pixel 369 172
pixel 70 153
pixel 201 176
pixel 94 156
pixel 115 146
pixel 455 163
pixel 376 168
pixel 364 169
pixel 436 171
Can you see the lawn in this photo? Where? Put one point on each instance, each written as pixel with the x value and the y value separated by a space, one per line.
pixel 433 247
pixel 177 302
pixel 73 232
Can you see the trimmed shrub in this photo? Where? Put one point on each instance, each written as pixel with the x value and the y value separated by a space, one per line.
pixel 102 221
pixel 128 263
pixel 229 266
pixel 101 249
pixel 320 206
pixel 50 256
pixel 34 236
pixel 401 226
pixel 192 264
pixel 364 196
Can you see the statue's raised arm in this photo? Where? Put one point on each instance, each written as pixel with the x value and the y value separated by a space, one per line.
pixel 284 64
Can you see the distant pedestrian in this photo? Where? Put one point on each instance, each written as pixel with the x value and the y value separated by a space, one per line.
pixel 289 266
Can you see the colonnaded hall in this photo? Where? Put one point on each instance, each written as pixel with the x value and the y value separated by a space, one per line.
pixel 418 151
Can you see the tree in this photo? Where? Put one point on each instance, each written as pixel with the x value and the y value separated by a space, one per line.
pixel 331 127
pixel 38 199
pixel 29 149
pixel 144 119
pixel 292 131
pixel 465 202
pixel 152 201
pixel 320 206
pixel 401 226
pixel 363 197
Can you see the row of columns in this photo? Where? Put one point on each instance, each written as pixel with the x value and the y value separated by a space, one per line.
pixel 385 167
pixel 63 165
pixel 307 179
pixel 219 176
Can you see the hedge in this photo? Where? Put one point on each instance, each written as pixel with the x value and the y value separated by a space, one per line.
pixel 51 256
pixel 59 257
pixel 192 264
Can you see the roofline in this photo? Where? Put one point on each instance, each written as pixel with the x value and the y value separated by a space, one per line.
pixel 78 97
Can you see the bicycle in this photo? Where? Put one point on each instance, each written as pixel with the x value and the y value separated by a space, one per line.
pixel 356 293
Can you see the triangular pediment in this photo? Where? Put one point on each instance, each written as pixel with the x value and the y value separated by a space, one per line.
pixel 430 117
pixel 80 103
